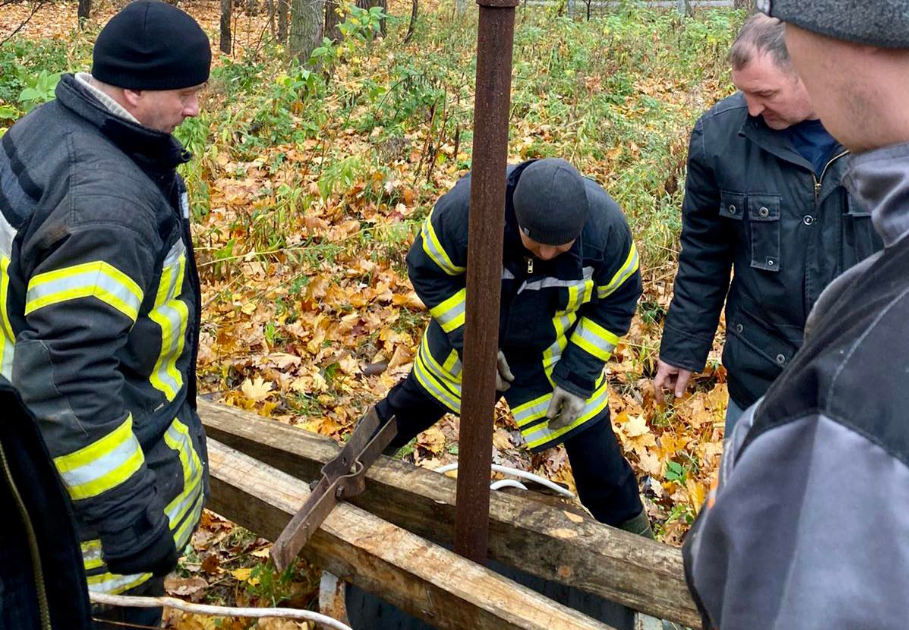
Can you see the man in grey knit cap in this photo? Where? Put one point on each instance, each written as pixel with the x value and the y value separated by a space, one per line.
pixel 808 526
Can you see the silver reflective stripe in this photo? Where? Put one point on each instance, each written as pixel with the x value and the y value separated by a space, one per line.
pixel 544 433
pixel 91 279
pixel 533 412
pixel 174 320
pixel 548 283
pixel 103 465
pixel 507 275
pixel 451 314
pixel 176 252
pixel 7 236
pixel 594 339
pixel 603 292
pixel 116 583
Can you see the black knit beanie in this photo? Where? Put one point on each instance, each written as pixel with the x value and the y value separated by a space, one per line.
pixel 151 45
pixel 550 202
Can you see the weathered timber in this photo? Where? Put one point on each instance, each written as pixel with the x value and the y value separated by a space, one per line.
pixel 539 539
pixel 415 575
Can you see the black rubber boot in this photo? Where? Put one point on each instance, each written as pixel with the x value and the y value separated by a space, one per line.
pixel 639 525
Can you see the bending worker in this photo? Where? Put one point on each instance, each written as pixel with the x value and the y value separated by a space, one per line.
pixel 570 284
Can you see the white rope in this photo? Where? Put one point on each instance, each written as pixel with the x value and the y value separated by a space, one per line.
pixel 505 470
pixel 130 601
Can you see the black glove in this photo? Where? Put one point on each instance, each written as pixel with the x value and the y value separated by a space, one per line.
pixel 145 547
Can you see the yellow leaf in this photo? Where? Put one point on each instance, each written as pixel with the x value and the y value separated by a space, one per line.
pixel 256 390
pixel 245 575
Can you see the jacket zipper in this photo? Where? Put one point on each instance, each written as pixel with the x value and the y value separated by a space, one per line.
pixel 818 183
pixel 43 606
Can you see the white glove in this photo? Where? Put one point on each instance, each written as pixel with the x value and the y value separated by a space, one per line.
pixel 504 377
pixel 564 409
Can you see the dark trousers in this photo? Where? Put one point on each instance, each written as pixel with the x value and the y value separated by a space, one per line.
pixel 130 617
pixel 606 484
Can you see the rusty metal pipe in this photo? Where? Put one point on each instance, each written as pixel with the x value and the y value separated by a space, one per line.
pixel 495 42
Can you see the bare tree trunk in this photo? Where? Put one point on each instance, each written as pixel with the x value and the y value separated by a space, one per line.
pixel 369 4
pixel 744 4
pixel 85 10
pixel 226 38
pixel 282 8
pixel 684 7
pixel 305 27
pixel 333 19
pixel 414 10
pixel 460 7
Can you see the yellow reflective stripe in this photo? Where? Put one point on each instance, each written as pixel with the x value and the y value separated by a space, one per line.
pixel 433 387
pixel 102 465
pixel 7 337
pixel 114 584
pixel 450 381
pixel 98 279
pixel 181 536
pixel 533 410
pixel 172 316
pixel 453 365
pixel 539 435
pixel 178 439
pixel 435 251
pixel 630 265
pixel 450 313
pixel 91 554
pixel 594 339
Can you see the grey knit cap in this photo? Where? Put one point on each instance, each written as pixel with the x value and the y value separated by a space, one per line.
pixel 550 202
pixel 883 23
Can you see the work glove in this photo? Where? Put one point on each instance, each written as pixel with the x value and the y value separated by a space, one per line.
pixel 147 546
pixel 504 377
pixel 564 409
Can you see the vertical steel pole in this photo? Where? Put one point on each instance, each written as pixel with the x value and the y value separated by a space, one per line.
pixel 495 41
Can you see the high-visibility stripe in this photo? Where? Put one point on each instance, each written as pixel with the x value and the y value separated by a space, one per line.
pixel 539 435
pixel 450 313
pixel 561 322
pixel 452 365
pixel 114 584
pixel 91 555
pixel 103 464
pixel 97 279
pixel 594 339
pixel 178 439
pixel 435 251
pixel 181 536
pixel 549 283
pixel 172 316
pixel 631 264
pixel 533 410
pixel 451 382
pixel 7 336
pixel 432 386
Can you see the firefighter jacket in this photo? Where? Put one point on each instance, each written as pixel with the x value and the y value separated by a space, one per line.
pixel 753 203
pixel 99 305
pixel 560 319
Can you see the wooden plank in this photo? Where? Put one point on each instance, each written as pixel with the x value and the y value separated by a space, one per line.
pixel 543 540
pixel 420 577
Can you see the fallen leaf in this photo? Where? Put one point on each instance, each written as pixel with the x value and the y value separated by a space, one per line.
pixel 257 390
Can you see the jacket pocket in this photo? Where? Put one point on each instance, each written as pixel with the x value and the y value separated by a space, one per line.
pixel 764 221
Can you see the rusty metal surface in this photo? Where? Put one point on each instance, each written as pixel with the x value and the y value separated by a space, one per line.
pixel 342 478
pixel 501 4
pixel 495 42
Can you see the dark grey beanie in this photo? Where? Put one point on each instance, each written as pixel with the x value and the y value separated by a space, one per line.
pixel 883 23
pixel 151 45
pixel 550 202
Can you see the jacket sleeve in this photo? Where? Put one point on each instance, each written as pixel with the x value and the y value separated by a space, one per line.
pixel 83 296
pixel 603 320
pixel 705 264
pixel 805 530
pixel 437 263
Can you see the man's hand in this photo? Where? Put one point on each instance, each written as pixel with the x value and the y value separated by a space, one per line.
pixel 564 409
pixel 670 377
pixel 504 377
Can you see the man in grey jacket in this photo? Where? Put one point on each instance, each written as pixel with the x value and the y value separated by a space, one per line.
pixel 808 525
pixel 763 196
pixel 99 296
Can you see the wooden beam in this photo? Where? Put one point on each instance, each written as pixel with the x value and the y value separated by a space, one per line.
pixel 419 577
pixel 540 539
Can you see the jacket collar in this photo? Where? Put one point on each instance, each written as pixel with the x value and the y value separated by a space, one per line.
pixel 152 150
pixel 880 180
pixel 755 129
